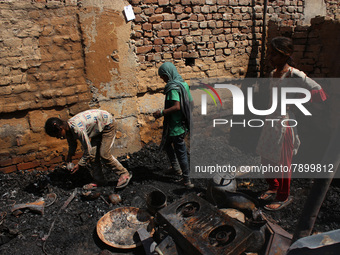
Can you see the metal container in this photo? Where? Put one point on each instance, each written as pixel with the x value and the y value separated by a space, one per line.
pixel 115 198
pixel 221 192
pixel 155 201
pixel 118 228
pixel 224 182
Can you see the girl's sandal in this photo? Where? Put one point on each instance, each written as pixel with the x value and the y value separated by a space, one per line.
pixel 268 195
pixel 123 180
pixel 90 186
pixel 281 204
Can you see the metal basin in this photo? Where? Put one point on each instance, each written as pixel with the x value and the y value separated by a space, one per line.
pixel 118 228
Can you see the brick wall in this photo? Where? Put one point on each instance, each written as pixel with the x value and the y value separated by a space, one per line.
pixel 41 59
pixel 42 75
pixel 221 35
pixel 61 57
pixel 333 9
pixel 316 50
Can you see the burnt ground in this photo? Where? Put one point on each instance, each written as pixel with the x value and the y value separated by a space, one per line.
pixel 74 231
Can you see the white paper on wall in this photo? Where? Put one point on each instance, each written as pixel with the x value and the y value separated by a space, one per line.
pixel 129 14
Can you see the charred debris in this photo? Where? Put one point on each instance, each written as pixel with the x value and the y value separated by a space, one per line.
pixel 48 213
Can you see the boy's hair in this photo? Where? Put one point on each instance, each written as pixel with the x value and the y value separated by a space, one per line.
pixel 52 126
pixel 284 45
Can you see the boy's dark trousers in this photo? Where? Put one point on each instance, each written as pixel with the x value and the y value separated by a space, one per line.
pixel 176 150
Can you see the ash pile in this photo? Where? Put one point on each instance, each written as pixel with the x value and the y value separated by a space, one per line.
pixel 48 213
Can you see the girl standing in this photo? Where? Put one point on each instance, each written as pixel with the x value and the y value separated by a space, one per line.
pixel 278 143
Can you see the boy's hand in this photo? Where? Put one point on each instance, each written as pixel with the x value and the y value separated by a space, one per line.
pixel 74 169
pixel 157 114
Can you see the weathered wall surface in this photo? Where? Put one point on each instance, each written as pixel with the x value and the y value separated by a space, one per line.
pixel 110 67
pixel 59 58
pixel 42 75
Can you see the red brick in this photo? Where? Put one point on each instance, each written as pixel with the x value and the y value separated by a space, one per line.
pixel 158 41
pixel 144 49
pixel 193 17
pixel 163 2
pixel 8 169
pixel 168 40
pixel 197 2
pixel 159 10
pixel 196 9
pixel 178 9
pixel 156 18
pixel 157 27
pixel 149 57
pixel 6 162
pixel 5 155
pixel 200 17
pixel 190 55
pixel 147 26
pixel 175 32
pixel 182 16
pixel 56 160
pixel 184 31
pixel 137 35
pixel 141 58
pixel 166 25
pixel 178 40
pixel 185 24
pixel 191 47
pixel 188 10
pixel 158 48
pixel 163 33
pixel 148 34
pixel 218 31
pixel 28 165
pixel 72 99
pixel 147 41
pixel 182 48
pixel 167 55
pixel 137 10
pixel 210 45
pixel 178 55
pixel 149 11
pixel 175 25
pixel 209 16
pixel 138 18
pixel 169 17
pixel 82 97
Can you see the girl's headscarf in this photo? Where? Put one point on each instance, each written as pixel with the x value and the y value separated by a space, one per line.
pixel 175 82
pixel 171 72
